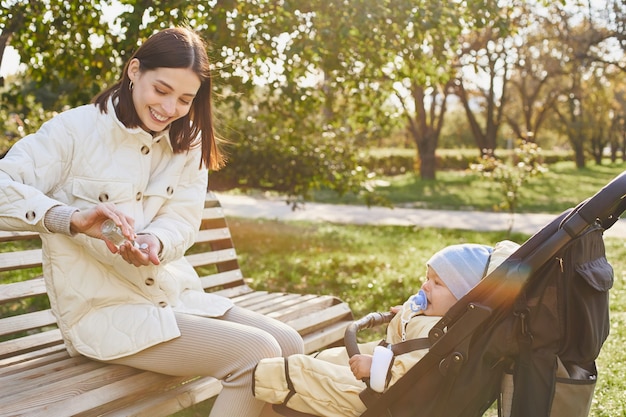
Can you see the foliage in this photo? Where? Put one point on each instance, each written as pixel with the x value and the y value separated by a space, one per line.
pixel 302 148
pixel 66 45
pixel 511 176
pixel 14 126
pixel 352 70
pixel 291 158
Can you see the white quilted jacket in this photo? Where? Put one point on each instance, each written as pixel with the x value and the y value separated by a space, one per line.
pixel 105 307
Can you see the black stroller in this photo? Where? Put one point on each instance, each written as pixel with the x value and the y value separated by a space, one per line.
pixel 527 336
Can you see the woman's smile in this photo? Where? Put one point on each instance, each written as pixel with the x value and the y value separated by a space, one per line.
pixel 158 117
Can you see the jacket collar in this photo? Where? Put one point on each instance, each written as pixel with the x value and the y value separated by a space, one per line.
pixel 138 131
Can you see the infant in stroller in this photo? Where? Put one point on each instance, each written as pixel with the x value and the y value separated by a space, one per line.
pixel 329 383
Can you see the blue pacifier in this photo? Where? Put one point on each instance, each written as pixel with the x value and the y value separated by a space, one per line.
pixel 419 301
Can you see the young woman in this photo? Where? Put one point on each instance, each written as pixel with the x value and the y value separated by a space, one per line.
pixel 139 155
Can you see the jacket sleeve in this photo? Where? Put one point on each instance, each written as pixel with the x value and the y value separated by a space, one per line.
pixel 31 168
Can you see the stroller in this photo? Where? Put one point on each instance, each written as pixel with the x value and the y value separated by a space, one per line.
pixel 527 336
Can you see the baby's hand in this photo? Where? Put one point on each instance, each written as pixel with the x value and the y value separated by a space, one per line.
pixel 360 366
pixel 395 309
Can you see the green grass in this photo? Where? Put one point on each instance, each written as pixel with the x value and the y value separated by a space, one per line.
pixel 368 267
pixel 562 187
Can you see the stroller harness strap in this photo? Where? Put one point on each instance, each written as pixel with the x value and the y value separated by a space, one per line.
pixel 408 345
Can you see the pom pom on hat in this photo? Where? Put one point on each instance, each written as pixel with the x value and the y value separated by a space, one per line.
pixel 461 267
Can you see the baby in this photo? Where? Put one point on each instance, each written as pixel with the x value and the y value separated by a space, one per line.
pixel 330 382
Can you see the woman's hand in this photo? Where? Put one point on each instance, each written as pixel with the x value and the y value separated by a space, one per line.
pixel 360 365
pixel 145 252
pixel 89 222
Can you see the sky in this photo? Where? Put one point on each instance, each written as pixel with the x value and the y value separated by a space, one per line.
pixel 10 62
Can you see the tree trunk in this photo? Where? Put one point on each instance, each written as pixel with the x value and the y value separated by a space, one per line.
pixel 579 156
pixel 428 165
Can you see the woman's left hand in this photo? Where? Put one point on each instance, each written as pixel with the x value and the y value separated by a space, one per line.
pixel 145 253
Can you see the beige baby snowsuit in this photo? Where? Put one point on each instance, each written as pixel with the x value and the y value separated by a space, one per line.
pixel 324 385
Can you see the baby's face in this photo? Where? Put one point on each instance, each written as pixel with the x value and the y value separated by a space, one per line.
pixel 440 299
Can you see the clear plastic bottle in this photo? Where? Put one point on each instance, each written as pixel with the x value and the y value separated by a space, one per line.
pixel 113 233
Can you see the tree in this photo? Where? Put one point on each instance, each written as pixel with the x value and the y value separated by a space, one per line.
pixel 511 175
pixel 617 132
pixel 601 124
pixel 276 110
pixel 536 79
pixel 405 49
pixel 304 120
pixel 574 109
pixel 487 53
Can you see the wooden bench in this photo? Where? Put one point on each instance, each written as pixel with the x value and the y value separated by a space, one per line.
pixel 38 377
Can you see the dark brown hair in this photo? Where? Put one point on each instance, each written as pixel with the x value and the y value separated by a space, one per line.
pixel 173 48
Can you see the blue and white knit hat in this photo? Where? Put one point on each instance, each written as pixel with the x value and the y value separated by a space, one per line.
pixel 461 267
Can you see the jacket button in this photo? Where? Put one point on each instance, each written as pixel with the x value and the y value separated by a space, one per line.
pixel 145 150
pixel 162 304
pixel 170 190
pixel 103 197
pixel 149 281
pixel 139 196
pixel 30 215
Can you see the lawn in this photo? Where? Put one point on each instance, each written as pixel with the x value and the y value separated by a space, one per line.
pixel 561 187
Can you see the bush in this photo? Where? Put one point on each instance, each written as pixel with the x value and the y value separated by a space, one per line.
pixel 390 162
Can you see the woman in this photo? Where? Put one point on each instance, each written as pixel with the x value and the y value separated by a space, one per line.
pixel 139 155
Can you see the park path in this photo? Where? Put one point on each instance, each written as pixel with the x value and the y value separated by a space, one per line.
pixel 278 209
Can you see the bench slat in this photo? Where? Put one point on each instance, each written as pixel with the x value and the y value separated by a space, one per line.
pixel 39 356
pixel 6 236
pixel 47 374
pixel 213 235
pixel 10 261
pixel 226 278
pixel 28 343
pixel 209 258
pixel 311 322
pixel 170 402
pixel 235 291
pixel 22 289
pixel 212 213
pixel 27 321
pixel 280 301
pixel 99 386
pixel 328 336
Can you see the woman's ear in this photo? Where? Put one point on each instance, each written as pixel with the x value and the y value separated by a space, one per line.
pixel 134 67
